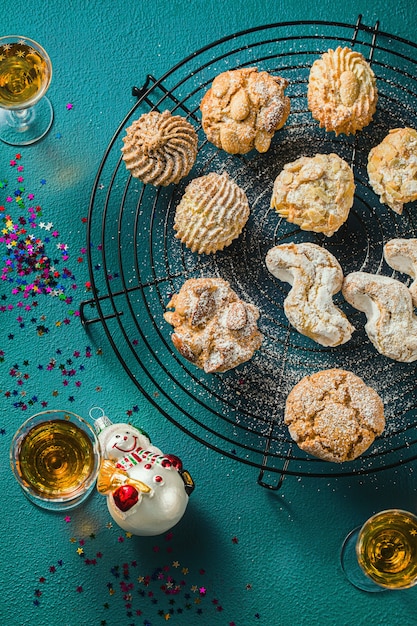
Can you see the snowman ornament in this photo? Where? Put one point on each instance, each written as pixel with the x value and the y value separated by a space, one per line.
pixel 147 491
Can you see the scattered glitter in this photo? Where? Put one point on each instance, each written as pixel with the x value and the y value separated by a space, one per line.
pixel 36 268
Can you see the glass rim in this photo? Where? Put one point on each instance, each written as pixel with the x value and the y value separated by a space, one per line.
pixel 384 512
pixel 25 39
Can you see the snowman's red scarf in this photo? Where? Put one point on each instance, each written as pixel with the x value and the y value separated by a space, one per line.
pixel 141 455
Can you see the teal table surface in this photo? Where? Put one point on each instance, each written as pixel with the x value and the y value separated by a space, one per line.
pixel 242 555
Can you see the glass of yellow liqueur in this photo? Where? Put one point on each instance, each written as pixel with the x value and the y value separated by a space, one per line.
pixel 26 114
pixel 55 458
pixel 382 554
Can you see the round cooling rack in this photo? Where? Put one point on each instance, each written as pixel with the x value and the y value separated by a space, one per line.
pixel 136 264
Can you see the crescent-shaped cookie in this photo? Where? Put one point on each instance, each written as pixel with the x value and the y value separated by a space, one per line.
pixel 315 276
pixel 391 323
pixel 401 255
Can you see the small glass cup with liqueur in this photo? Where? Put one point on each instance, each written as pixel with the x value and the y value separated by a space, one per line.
pixel 55 457
pixel 382 553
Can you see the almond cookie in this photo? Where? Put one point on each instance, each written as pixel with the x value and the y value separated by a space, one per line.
pixel 214 328
pixel 334 415
pixel 401 255
pixel 243 109
pixel 315 276
pixel 391 323
pixel 342 93
pixel 211 213
pixel 392 168
pixel 316 193
pixel 160 148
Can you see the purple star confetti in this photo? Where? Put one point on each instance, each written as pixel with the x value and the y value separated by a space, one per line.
pixel 35 261
pixel 154 593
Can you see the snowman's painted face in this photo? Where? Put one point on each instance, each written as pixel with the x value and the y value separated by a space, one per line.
pixel 122 442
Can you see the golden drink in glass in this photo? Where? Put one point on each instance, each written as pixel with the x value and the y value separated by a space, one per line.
pixel 25 74
pixel 55 458
pixel 387 549
pixel 382 554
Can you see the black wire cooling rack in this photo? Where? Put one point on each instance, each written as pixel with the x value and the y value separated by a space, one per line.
pixel 136 263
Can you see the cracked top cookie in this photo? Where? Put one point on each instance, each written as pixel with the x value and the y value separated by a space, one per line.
pixel 342 93
pixel 316 193
pixel 213 327
pixel 243 109
pixel 334 415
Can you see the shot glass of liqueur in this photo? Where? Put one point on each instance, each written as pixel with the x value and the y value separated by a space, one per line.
pixel 55 457
pixel 382 554
pixel 26 114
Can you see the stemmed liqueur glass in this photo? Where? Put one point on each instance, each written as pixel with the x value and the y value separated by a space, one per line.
pixel 382 554
pixel 26 114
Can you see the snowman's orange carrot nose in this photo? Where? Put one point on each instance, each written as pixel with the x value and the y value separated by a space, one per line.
pixel 111 477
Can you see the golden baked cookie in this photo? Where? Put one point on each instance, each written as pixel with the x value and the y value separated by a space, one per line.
pixel 315 276
pixel 243 109
pixel 387 303
pixel 213 327
pixel 160 148
pixel 392 168
pixel 342 93
pixel 334 415
pixel 316 193
pixel 211 213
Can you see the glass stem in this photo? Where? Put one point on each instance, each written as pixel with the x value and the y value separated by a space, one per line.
pixel 20 119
